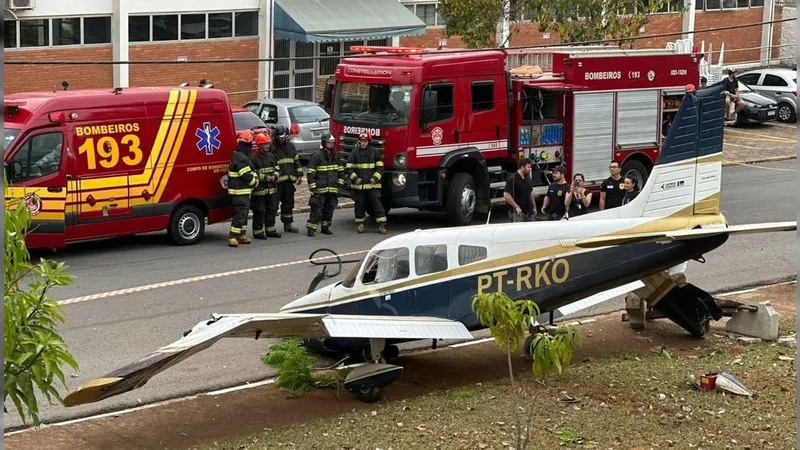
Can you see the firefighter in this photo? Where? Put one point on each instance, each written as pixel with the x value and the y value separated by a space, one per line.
pixel 325 174
pixel 365 171
pixel 263 198
pixel 241 181
pixel 289 174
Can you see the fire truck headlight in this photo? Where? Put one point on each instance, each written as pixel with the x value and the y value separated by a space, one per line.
pixel 400 159
pixel 399 180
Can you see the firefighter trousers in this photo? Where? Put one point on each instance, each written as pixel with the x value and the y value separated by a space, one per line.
pixel 241 209
pixel 285 195
pixel 263 207
pixel 373 198
pixel 322 207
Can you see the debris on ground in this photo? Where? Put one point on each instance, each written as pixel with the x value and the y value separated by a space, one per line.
pixel 722 382
pixel 790 340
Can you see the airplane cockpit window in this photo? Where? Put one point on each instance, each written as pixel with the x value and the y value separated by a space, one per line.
pixel 468 254
pixel 350 279
pixel 386 265
pixel 430 259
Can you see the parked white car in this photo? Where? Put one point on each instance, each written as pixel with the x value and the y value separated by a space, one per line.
pixel 777 83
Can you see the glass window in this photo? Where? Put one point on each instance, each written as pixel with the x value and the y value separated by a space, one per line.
pixel 328 57
pixel 483 96
pixel 40 155
pixel 430 259
pixel 350 279
pixel 34 33
pixel 774 80
pixel 253 106
pixel 383 266
pixel 220 25
pixel 372 104
pixel 307 114
pixel 9 134
pixel 713 4
pixel 165 28
pixel 749 78
pixel 468 254
pixel 97 30
pixel 67 31
pixel 427 13
pixel 246 120
pixel 699 5
pixel 246 23
pixel 743 3
pixel 444 101
pixel 193 26
pixel 755 3
pixel 729 4
pixel 9 34
pixel 138 28
pixel 270 114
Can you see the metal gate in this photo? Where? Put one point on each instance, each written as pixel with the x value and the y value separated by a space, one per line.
pixel 293 78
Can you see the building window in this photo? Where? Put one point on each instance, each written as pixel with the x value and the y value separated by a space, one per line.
pixel 34 33
pixel 193 26
pixel 246 23
pixel 138 28
pixel 67 31
pixel 220 25
pixel 717 5
pixel 428 12
pixel 165 28
pixel 96 30
pixel 10 34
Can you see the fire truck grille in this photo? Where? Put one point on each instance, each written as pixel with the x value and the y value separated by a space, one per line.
pixel 350 141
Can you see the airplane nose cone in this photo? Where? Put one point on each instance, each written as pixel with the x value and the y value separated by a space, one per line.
pixel 313 301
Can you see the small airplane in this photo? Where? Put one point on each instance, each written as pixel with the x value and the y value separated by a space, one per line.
pixel 420 285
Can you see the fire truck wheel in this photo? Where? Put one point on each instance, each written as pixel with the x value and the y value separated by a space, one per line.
pixel 461 199
pixel 187 225
pixel 636 170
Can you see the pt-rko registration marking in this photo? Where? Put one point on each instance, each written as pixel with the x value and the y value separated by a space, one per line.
pixel 519 278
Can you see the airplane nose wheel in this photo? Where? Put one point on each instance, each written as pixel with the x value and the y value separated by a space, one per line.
pixel 369 394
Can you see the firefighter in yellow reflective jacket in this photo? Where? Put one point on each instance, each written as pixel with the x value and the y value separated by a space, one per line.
pixel 263 198
pixel 289 174
pixel 365 171
pixel 241 181
pixel 325 174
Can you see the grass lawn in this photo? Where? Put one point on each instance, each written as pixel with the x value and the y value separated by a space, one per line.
pixel 623 401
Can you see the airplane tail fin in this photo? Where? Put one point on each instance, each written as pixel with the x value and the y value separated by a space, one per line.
pixel 687 177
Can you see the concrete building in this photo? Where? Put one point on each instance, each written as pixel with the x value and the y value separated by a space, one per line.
pixel 316 33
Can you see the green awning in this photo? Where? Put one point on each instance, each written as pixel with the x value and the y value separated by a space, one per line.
pixel 344 20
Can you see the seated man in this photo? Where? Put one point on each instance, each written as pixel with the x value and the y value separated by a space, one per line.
pixel 732 94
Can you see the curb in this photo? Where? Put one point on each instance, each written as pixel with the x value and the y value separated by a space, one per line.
pixel 757 161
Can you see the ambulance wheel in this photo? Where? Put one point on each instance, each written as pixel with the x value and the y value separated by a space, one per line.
pixel 187 225
pixel 637 171
pixel 461 199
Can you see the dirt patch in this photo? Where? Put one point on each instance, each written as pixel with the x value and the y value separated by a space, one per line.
pixel 204 420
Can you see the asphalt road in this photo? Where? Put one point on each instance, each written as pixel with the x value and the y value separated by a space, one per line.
pixel 108 332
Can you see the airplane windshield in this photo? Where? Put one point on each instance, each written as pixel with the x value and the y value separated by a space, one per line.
pixel 350 279
pixel 382 266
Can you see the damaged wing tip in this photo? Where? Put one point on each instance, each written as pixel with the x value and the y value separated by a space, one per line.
pixel 91 391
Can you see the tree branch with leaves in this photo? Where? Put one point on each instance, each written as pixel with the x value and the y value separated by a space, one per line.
pixel 33 352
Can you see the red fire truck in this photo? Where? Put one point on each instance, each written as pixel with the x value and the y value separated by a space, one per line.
pixel 453 124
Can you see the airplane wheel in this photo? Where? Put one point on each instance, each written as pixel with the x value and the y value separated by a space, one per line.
pixel 527 346
pixel 369 395
pixel 391 352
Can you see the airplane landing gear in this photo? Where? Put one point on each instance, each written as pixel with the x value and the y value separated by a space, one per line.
pixel 533 330
pixel 367 381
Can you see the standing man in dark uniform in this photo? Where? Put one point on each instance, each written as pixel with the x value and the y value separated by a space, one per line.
pixel 289 174
pixel 558 195
pixel 518 193
pixel 263 198
pixel 241 181
pixel 325 174
pixel 365 171
pixel 612 189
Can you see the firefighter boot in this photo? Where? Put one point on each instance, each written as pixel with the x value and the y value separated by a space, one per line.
pixel 360 228
pixel 233 242
pixel 273 234
pixel 382 228
pixel 311 232
pixel 326 230
pixel 287 227
pixel 260 235
pixel 243 239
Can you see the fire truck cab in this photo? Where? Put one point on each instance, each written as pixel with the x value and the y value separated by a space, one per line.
pixel 452 125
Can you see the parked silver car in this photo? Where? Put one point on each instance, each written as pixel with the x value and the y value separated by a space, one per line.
pixel 779 84
pixel 305 120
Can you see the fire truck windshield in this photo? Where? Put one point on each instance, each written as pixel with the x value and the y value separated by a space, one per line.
pixel 8 137
pixel 372 104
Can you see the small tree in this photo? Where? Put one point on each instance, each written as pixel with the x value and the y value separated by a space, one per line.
pixel 33 351
pixel 295 367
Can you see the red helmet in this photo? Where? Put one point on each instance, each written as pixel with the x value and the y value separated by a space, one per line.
pixel 262 138
pixel 364 136
pixel 246 136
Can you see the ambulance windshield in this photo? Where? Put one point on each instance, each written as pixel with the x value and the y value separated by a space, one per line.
pixel 372 104
pixel 9 134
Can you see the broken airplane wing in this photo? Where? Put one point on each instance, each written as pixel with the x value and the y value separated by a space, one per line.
pixel 276 325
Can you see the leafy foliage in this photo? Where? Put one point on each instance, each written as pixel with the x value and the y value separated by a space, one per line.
pixel 507 320
pixel 33 351
pixel 476 21
pixel 554 351
pixel 294 365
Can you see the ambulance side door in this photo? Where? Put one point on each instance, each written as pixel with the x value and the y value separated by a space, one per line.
pixel 37 175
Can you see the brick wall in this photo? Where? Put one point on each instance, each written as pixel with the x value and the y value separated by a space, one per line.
pixel 528 33
pixel 230 77
pixel 48 78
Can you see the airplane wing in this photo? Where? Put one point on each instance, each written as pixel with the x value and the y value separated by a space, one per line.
pixel 590 301
pixel 679 235
pixel 277 325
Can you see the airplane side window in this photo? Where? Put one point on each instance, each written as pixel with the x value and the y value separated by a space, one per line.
pixel 38 156
pixel 430 259
pixel 468 254
pixel 386 265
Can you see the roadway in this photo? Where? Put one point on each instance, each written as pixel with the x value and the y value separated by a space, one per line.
pixel 107 332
